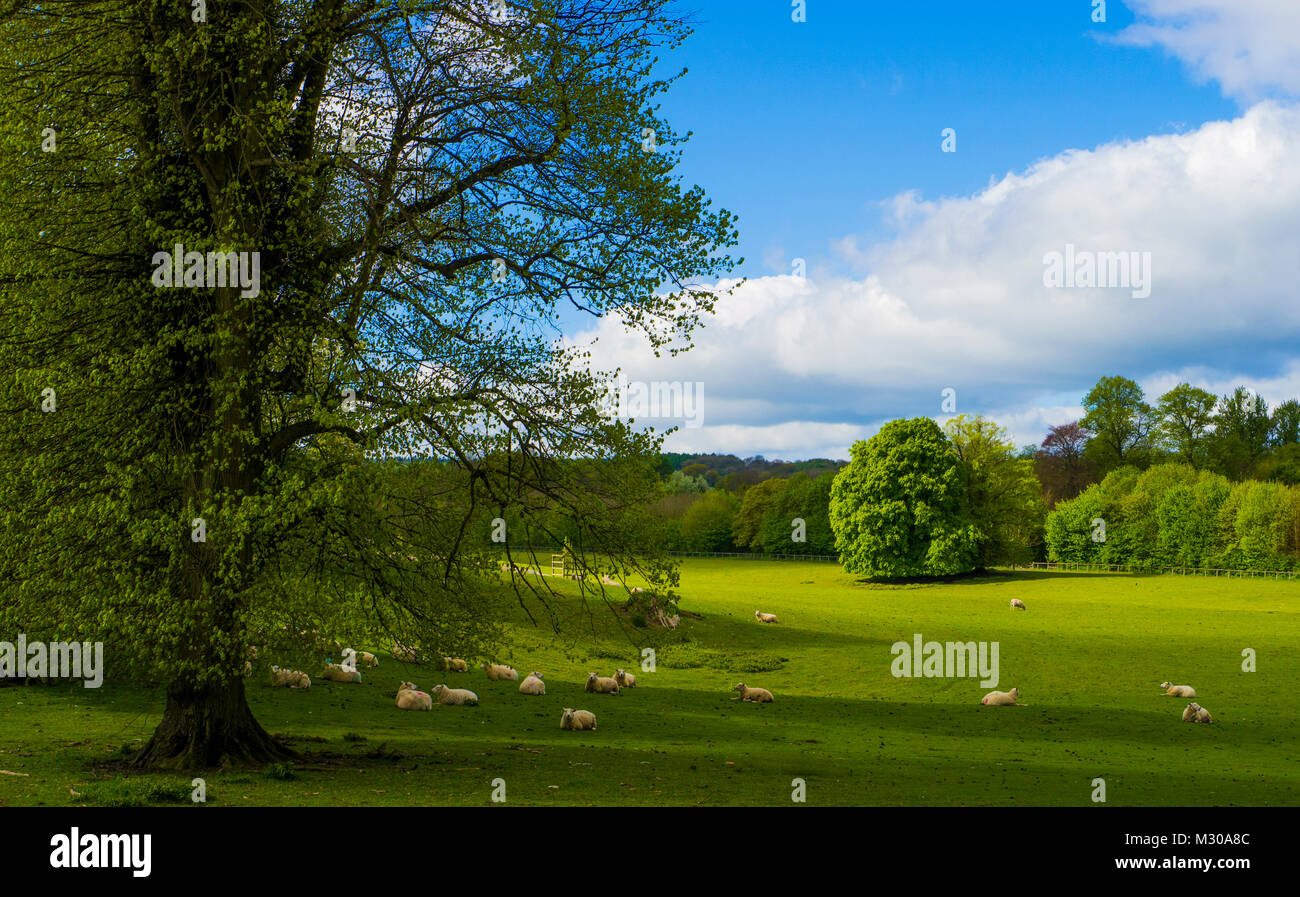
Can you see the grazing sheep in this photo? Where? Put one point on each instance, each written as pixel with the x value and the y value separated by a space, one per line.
pixel 624 679
pixel 405 654
pixel 289 678
pixel 753 695
pixel 1016 602
pixel 497 671
pixel 765 618
pixel 533 684
pixel 1003 698
pixel 410 699
pixel 578 719
pixel 366 659
pixel 1178 691
pixel 601 685
pixel 1195 713
pixel 337 672
pixel 455 665
pixel 454 696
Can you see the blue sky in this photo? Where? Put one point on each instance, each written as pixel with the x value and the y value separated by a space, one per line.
pixel 1168 130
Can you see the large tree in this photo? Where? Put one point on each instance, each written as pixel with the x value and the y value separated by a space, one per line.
pixel 1002 495
pixel 1184 417
pixel 425 185
pixel 1061 464
pixel 1120 421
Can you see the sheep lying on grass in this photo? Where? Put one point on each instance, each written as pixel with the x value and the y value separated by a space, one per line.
pixel 601 685
pixel 497 671
pixel 533 684
pixel 454 696
pixel 455 665
pixel 624 679
pixel 1003 698
pixel 765 618
pixel 578 719
pixel 1195 713
pixel 1016 602
pixel 336 672
pixel 410 699
pixel 1178 691
pixel 405 653
pixel 366 659
pixel 289 678
pixel 753 695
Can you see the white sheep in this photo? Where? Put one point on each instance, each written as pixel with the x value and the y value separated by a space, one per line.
pixel 408 698
pixel 624 679
pixel 1178 691
pixel 455 665
pixel 1003 698
pixel 578 719
pixel 1195 713
pixel 765 618
pixel 501 672
pixel 753 695
pixel 454 696
pixel 337 672
pixel 289 678
pixel 404 653
pixel 366 659
pixel 1016 602
pixel 533 684
pixel 601 685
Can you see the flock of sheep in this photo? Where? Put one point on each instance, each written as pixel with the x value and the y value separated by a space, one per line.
pixel 1194 713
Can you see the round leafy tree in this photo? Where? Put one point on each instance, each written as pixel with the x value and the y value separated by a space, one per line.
pixel 896 509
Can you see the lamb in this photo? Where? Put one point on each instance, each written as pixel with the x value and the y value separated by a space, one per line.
pixel 366 659
pixel 454 696
pixel 455 665
pixel 289 678
pixel 601 685
pixel 624 679
pixel 533 684
pixel 405 654
pixel 410 699
pixel 1178 691
pixel 753 695
pixel 765 618
pixel 1003 698
pixel 578 719
pixel 337 672
pixel 1016 602
pixel 497 671
pixel 1195 713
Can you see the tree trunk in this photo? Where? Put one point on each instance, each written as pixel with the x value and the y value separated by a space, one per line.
pixel 209 727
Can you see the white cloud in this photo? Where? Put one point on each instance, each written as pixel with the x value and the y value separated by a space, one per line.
pixel 956 299
pixel 1251 47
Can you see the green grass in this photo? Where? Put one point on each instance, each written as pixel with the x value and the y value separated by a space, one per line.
pixel 1087 657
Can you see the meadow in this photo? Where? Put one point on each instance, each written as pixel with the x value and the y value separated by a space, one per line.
pixel 1087 656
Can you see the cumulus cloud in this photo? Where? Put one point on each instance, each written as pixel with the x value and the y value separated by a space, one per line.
pixel 1251 47
pixel 956 299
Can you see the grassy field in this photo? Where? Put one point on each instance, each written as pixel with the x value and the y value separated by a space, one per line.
pixel 1087 656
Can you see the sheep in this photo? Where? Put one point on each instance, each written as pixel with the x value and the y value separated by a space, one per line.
pixel 410 699
pixel 497 671
pixel 405 654
pixel 601 685
pixel 367 659
pixel 578 719
pixel 248 668
pixel 455 665
pixel 252 652
pixel 1003 698
pixel 337 672
pixel 289 678
pixel 1195 713
pixel 533 684
pixel 1178 691
pixel 753 695
pixel 765 618
pixel 1016 602
pixel 454 696
pixel 624 679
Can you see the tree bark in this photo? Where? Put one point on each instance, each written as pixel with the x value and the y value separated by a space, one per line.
pixel 210 727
